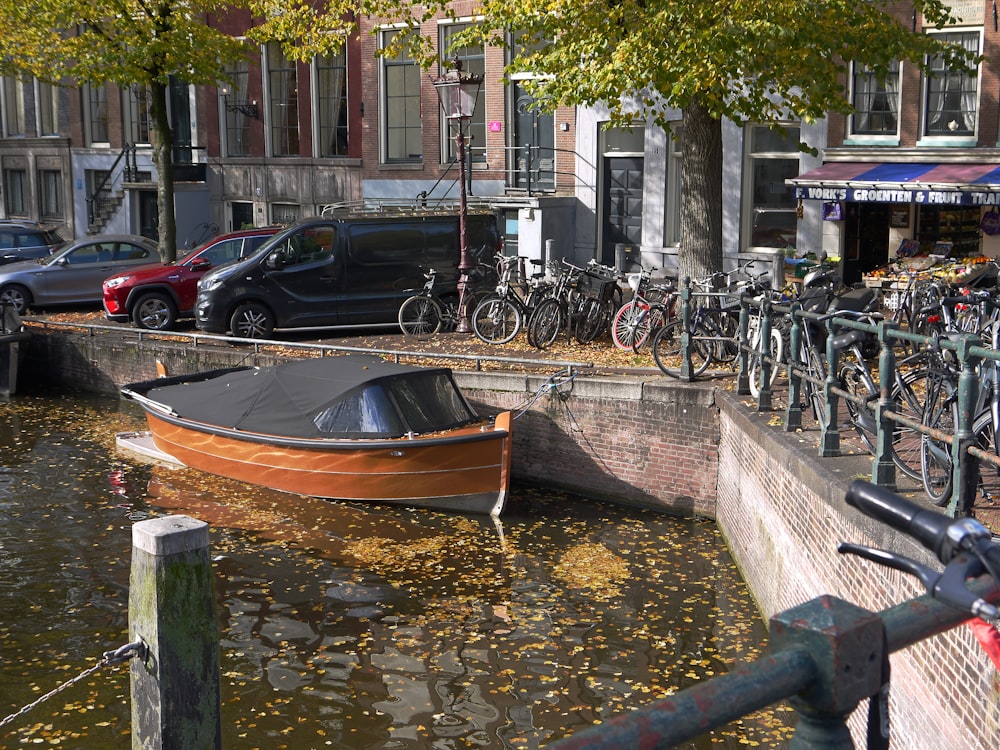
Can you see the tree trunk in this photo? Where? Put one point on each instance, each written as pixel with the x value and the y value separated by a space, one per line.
pixel 163 146
pixel 701 193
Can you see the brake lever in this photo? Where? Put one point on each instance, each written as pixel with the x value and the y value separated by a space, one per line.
pixel 948 586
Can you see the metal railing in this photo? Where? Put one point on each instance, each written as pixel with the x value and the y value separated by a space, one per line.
pixel 967 349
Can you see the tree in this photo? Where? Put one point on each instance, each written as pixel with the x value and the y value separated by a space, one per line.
pixel 127 43
pixel 767 61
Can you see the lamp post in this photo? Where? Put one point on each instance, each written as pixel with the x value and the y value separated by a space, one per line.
pixel 458 94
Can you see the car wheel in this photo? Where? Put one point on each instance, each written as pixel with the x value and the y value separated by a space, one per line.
pixel 252 321
pixel 17 297
pixel 155 311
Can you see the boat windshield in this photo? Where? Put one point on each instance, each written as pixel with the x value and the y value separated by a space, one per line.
pixel 367 411
pixel 418 403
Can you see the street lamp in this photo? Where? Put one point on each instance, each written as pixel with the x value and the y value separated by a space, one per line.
pixel 458 96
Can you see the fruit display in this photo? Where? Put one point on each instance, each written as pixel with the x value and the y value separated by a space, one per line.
pixel 899 273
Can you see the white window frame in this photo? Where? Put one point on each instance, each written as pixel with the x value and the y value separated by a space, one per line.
pixel 886 138
pixel 960 139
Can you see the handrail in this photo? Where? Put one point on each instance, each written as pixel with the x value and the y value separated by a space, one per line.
pixel 197 339
pixel 967 348
pixel 810 644
pixel 100 195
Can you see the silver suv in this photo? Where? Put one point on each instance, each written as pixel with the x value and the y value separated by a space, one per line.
pixel 25 240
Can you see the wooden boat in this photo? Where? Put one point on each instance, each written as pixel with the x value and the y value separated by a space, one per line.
pixel 351 427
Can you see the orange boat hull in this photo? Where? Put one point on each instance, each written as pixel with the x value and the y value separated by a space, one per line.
pixel 466 469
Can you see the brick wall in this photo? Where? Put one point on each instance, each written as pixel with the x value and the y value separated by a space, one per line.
pixel 782 513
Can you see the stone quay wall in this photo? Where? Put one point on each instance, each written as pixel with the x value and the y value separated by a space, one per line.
pixel 683 449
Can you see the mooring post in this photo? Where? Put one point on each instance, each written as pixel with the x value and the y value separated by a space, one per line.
pixel 175 685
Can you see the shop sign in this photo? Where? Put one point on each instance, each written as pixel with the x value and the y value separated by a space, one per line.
pixel 897 195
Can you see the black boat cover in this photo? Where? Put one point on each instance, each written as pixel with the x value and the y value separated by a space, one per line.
pixel 350 396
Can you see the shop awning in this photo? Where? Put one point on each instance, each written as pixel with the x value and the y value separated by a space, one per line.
pixel 901 182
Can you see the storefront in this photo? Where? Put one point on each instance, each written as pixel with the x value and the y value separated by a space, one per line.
pixel 944 212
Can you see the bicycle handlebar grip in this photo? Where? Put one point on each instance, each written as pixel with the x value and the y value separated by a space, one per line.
pixel 928 527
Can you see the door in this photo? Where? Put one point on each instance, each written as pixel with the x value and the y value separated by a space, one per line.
pixel 533 166
pixel 621 204
pixel 302 279
pixel 866 239
pixel 149 216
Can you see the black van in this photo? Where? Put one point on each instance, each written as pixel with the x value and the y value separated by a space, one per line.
pixel 329 272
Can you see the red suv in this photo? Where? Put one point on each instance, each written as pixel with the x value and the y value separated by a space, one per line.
pixel 154 297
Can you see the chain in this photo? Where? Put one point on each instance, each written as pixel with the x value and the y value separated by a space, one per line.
pixel 115 656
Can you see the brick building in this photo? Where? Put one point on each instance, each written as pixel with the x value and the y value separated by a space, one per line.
pixel 283 139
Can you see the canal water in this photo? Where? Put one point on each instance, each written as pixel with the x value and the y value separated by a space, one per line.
pixel 352 626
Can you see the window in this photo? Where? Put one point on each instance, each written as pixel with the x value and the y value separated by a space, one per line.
pixel 50 194
pixel 401 130
pixel 876 102
pixel 283 93
pixel 773 157
pixel 13 107
pixel 473 63
pixel 48 109
pixel 16 187
pixel 672 188
pixel 96 107
pixel 136 113
pixel 951 96
pixel 233 100
pixel 284 213
pixel 331 104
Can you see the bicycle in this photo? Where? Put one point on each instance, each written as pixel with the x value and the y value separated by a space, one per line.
pixel 941 409
pixel 425 313
pixel 650 308
pixel 907 394
pixel 580 304
pixel 713 327
pixel 499 316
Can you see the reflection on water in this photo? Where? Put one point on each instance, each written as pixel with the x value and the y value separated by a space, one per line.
pixel 354 626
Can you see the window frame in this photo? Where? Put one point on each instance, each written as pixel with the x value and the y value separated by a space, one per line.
pixel 282 104
pixel 751 157
pixel 50 195
pixel 411 94
pixel 873 89
pixel 325 131
pixel 13 107
pixel 958 135
pixel 473 63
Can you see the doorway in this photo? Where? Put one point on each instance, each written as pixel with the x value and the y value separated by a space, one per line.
pixel 866 239
pixel 149 215
pixel 621 204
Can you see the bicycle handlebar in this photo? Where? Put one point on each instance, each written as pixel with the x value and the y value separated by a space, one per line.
pixel 943 535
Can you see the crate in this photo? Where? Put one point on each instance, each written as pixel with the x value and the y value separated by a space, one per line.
pixel 596 286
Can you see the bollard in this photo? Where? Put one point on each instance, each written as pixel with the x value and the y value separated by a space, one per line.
pixel 175 687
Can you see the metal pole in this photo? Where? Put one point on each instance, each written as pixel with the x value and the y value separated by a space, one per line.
pixel 463 241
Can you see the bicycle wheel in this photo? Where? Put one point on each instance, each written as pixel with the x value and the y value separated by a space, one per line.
pixel 420 317
pixel 496 320
pixel 777 352
pixel 816 369
pixel 722 332
pixel 941 413
pixel 652 322
pixel 855 381
pixel 592 321
pixel 546 322
pixel 667 351
pixel 630 324
pixel 984 437
pixel 908 395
